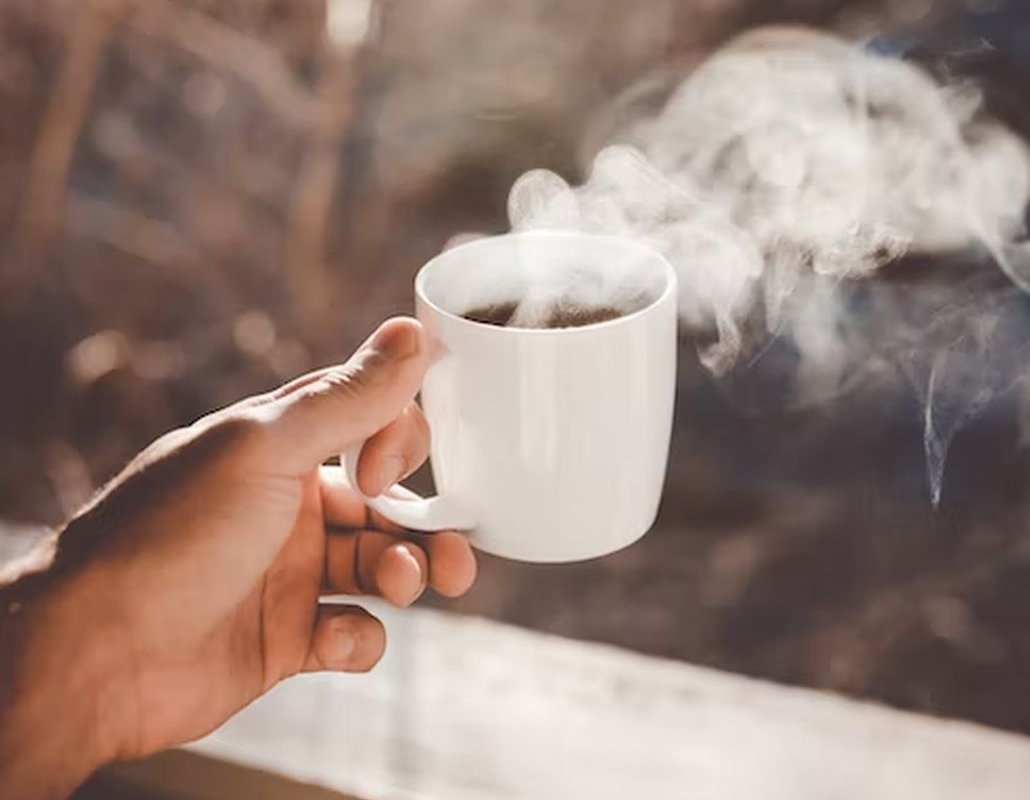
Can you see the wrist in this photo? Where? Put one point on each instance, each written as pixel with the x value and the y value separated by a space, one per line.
pixel 57 705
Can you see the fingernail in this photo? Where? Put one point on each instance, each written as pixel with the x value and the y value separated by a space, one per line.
pixel 420 587
pixel 395 340
pixel 390 471
pixel 345 642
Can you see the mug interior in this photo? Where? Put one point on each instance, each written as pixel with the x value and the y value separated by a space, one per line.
pixel 542 267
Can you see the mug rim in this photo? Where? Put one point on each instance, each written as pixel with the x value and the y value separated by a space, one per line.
pixel 670 282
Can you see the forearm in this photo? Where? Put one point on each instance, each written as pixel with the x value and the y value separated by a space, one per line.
pixel 51 685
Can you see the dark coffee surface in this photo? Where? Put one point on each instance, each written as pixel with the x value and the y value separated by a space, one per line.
pixel 576 317
pixel 502 314
pixel 499 314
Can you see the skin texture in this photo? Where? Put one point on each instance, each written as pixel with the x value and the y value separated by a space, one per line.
pixel 191 585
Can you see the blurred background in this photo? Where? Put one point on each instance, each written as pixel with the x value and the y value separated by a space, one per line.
pixel 202 198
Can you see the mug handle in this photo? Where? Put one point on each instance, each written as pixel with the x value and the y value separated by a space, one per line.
pixel 427 514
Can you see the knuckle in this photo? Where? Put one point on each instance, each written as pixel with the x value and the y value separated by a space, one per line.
pixel 345 381
pixel 172 445
pixel 167 444
pixel 348 382
pixel 365 370
pixel 237 434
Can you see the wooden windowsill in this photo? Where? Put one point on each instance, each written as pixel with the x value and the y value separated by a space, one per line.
pixel 466 709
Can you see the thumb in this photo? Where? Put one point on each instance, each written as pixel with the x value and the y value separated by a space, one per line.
pixel 345 405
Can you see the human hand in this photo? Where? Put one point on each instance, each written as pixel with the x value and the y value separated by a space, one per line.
pixel 191 585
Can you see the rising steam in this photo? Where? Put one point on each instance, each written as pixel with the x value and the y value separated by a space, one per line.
pixel 786 172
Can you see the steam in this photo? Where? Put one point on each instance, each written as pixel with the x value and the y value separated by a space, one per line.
pixel 786 178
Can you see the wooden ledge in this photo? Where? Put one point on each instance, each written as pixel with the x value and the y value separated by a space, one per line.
pixel 465 709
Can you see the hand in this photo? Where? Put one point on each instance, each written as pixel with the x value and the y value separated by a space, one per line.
pixel 191 585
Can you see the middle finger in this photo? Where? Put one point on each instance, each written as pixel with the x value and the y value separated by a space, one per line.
pixel 376 563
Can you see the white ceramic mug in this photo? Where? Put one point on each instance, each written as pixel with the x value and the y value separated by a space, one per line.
pixel 548 445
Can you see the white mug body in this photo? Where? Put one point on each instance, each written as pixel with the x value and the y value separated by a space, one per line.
pixel 553 441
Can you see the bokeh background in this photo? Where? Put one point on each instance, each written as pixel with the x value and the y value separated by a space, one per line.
pixel 202 198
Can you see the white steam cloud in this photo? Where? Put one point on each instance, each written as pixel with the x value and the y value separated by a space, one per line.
pixel 786 171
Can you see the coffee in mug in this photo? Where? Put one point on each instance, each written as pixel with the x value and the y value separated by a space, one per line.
pixel 559 316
